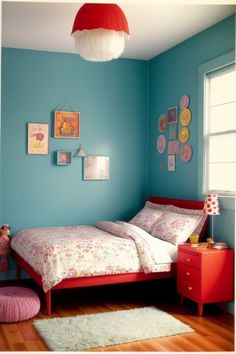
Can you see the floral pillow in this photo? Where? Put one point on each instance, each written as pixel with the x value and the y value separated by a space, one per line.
pixel 174 227
pixel 156 205
pixel 184 211
pixel 146 218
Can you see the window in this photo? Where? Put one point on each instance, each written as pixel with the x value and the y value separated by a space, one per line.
pixel 220 132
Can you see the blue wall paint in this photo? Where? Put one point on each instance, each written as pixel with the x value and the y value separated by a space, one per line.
pixel 112 100
pixel 115 119
pixel 173 74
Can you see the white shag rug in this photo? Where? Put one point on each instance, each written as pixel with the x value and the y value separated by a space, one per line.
pixel 108 328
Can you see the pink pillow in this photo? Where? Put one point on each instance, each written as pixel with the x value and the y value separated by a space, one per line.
pixel 184 211
pixel 146 218
pixel 175 227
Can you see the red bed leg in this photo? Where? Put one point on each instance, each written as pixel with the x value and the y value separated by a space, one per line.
pixel 48 302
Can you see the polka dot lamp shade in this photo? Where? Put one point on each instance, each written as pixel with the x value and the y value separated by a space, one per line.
pixel 211 205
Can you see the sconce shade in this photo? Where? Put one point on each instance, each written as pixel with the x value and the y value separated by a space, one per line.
pixel 99 31
pixel 211 205
pixel 80 152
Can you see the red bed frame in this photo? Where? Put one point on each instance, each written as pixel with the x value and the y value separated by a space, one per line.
pixel 107 279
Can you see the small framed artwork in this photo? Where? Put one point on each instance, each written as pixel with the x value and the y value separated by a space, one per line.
pixel 173 131
pixel 66 125
pixel 173 147
pixel 63 158
pixel 171 162
pixel 37 138
pixel 96 168
pixel 172 115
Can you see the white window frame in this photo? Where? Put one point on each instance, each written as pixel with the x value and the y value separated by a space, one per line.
pixel 206 69
pixel 207 135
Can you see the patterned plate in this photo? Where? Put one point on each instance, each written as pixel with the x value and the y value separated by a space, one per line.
pixel 184 102
pixel 161 144
pixel 185 117
pixel 162 123
pixel 186 153
pixel 183 135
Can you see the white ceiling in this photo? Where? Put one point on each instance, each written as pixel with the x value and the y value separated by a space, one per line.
pixel 154 27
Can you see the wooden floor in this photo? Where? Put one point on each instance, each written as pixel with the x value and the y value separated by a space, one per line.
pixel 212 332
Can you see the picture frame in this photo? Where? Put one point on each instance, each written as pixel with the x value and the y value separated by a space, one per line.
pixel 173 131
pixel 171 162
pixel 172 115
pixel 66 125
pixel 173 147
pixel 96 168
pixel 63 158
pixel 37 139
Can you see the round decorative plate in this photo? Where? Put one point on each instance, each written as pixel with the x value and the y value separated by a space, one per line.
pixel 183 135
pixel 185 153
pixel 185 117
pixel 161 143
pixel 162 123
pixel 184 102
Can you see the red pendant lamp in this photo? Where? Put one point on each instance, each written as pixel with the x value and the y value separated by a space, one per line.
pixel 100 31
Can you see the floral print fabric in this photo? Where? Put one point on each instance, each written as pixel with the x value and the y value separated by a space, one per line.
pixel 174 227
pixel 58 253
pixel 146 218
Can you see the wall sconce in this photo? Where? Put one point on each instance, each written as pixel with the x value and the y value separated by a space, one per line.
pixel 80 152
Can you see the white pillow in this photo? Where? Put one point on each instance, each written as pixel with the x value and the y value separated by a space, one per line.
pixel 185 211
pixel 174 227
pixel 146 218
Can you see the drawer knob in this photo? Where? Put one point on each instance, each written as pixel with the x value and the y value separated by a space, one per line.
pixel 190 288
pixel 188 274
pixel 188 259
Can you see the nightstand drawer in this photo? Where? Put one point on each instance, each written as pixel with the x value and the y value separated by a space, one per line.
pixel 190 259
pixel 189 289
pixel 188 272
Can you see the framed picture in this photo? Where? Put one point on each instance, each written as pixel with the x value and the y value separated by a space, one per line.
pixel 66 124
pixel 37 138
pixel 173 147
pixel 63 157
pixel 172 115
pixel 171 162
pixel 96 168
pixel 173 131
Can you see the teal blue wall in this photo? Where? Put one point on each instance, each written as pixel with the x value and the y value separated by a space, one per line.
pixel 173 74
pixel 115 100
pixel 112 100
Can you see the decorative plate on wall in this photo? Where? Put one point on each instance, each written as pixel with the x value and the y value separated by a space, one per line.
pixel 185 117
pixel 162 123
pixel 183 135
pixel 184 102
pixel 161 143
pixel 186 153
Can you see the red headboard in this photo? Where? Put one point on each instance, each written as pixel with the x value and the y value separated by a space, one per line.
pixel 182 203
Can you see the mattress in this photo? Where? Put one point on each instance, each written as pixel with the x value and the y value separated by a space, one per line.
pixel 57 253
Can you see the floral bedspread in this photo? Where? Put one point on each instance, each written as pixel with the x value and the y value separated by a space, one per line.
pixel 68 252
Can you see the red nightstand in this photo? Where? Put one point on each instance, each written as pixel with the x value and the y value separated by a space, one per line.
pixel 205 275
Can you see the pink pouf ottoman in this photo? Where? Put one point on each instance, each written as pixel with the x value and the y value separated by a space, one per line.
pixel 18 304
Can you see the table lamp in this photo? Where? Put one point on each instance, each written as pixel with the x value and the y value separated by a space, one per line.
pixel 211 207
